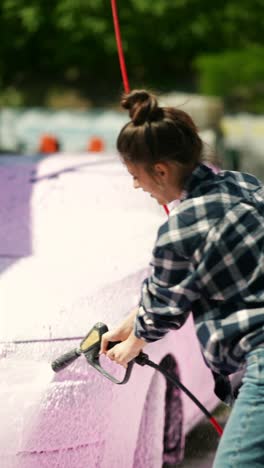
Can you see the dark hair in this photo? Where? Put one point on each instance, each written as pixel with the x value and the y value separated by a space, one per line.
pixel 157 134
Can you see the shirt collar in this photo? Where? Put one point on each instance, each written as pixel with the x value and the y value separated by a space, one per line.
pixel 199 174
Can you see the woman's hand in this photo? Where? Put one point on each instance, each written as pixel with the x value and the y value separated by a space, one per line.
pixel 121 333
pixel 124 352
pixel 130 346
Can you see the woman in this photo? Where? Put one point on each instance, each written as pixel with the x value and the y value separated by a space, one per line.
pixel 208 260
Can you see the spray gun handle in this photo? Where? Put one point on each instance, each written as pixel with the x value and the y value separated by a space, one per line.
pixel 90 347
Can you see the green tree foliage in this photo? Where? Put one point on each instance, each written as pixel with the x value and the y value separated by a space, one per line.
pixel 48 42
pixel 237 75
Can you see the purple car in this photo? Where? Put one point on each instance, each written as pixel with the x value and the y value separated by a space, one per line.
pixel 75 245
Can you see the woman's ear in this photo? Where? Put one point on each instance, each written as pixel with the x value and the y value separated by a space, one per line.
pixel 161 171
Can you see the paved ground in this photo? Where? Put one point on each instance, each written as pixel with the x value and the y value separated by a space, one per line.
pixel 201 443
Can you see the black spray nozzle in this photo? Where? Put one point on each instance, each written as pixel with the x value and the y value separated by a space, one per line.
pixel 65 360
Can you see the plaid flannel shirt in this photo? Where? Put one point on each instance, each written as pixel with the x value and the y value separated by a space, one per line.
pixel 209 259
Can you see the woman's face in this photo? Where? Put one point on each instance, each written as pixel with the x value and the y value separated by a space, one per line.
pixel 160 184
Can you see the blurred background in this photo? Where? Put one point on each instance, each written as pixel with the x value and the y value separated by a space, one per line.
pixel 60 80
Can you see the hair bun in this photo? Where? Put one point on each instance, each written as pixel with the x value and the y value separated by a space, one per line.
pixel 142 106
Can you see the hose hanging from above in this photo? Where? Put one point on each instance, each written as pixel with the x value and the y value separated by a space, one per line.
pixel 122 58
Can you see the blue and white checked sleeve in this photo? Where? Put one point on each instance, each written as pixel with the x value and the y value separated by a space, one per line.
pixel 166 295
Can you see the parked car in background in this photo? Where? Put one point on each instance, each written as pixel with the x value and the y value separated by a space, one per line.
pixel 75 244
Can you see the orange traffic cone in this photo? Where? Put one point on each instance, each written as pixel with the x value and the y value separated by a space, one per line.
pixel 49 144
pixel 96 145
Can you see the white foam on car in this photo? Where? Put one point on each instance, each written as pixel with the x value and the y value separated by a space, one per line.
pixel 88 229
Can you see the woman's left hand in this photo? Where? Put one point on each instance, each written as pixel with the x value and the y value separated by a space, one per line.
pixel 124 352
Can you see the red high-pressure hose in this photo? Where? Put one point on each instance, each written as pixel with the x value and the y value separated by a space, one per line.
pixel 120 48
pixel 122 63
pixel 122 58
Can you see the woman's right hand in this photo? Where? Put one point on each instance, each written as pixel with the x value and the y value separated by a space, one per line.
pixel 121 333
